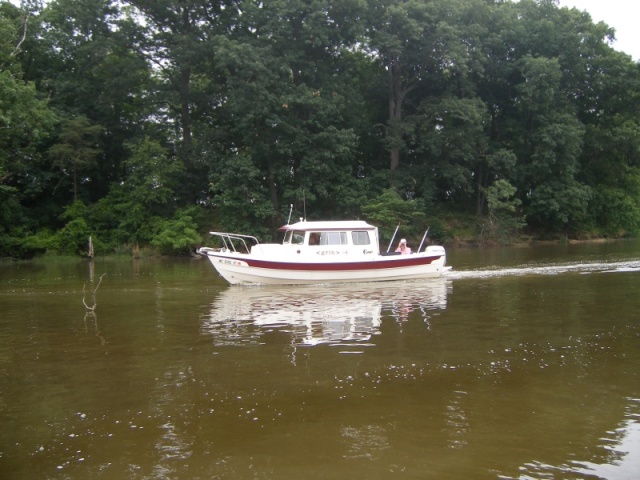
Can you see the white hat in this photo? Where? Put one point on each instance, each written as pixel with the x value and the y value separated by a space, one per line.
pixel 403 240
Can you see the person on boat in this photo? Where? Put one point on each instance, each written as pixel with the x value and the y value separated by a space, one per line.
pixel 314 239
pixel 403 248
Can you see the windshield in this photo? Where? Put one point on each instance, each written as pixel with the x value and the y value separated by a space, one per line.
pixel 294 237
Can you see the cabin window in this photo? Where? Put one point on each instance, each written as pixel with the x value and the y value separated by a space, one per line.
pixel 314 238
pixel 360 238
pixel 297 238
pixel 333 238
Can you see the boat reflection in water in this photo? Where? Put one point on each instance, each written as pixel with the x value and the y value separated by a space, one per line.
pixel 313 315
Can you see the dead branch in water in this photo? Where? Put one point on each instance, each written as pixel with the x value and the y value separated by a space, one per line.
pixel 92 309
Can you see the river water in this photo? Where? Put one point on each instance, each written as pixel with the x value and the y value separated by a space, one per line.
pixel 522 364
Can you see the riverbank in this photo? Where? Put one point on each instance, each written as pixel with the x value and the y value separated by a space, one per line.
pixel 529 241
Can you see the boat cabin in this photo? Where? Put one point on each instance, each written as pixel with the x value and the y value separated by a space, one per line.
pixel 327 241
pixel 337 233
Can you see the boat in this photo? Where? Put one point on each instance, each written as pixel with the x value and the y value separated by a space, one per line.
pixel 320 252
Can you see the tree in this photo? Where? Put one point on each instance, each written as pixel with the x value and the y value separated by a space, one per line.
pixel 177 235
pixel 25 122
pixel 448 144
pixel 77 148
pixel 288 103
pixel 389 209
pixel 177 44
pixel 86 64
pixel 246 107
pixel 611 154
pixel 416 42
pixel 548 146
pixel 134 207
pixel 504 219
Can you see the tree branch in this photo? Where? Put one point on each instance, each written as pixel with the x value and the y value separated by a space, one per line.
pixel 92 309
pixel 17 50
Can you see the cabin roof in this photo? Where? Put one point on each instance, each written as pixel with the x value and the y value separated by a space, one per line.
pixel 329 225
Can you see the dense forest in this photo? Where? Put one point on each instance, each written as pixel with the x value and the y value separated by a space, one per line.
pixel 146 123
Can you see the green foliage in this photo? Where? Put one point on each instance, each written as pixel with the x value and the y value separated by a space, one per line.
pixel 73 238
pixel 40 242
pixel 450 139
pixel 116 219
pixel 21 246
pixel 9 205
pixel 501 200
pixel 439 231
pixel 176 236
pixel 561 207
pixel 389 209
pixel 505 222
pixel 291 135
pixel 167 117
pixel 14 237
pixel 152 175
pixel 77 148
pixel 240 196
pixel 25 122
pixel 24 117
pixel 617 210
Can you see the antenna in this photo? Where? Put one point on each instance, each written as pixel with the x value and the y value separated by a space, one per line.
pixel 290 210
pixel 304 205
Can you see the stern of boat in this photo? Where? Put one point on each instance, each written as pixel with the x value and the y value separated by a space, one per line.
pixel 437 251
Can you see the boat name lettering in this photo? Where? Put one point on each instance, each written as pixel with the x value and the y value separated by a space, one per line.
pixel 331 252
pixel 229 262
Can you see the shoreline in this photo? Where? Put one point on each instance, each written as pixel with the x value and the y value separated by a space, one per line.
pixel 531 242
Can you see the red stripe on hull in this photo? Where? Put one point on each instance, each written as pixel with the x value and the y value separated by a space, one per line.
pixel 409 261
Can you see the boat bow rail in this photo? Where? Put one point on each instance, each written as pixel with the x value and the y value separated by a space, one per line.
pixel 231 242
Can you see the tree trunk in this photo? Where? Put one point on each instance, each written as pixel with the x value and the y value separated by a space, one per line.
pixel 185 79
pixel 274 197
pixel 480 197
pixel 395 113
pixel 75 182
pixel 395 158
pixel 397 94
pixel 185 90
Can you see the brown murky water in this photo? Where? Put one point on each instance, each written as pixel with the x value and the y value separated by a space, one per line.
pixel 524 363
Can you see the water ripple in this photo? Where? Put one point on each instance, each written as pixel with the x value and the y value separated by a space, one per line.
pixel 554 269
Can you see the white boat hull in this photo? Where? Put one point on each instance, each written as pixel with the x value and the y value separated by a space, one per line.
pixel 238 268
